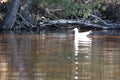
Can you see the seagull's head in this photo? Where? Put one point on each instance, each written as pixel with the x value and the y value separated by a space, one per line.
pixel 90 31
pixel 75 29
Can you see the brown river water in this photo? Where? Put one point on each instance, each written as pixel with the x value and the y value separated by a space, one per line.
pixel 57 56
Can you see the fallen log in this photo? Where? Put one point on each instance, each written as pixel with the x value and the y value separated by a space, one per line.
pixel 99 25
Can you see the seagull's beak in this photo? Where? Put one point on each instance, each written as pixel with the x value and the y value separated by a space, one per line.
pixel 73 29
pixel 90 31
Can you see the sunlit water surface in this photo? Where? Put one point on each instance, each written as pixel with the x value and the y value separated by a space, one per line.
pixel 57 56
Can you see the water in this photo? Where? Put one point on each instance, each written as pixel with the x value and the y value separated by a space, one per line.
pixel 57 56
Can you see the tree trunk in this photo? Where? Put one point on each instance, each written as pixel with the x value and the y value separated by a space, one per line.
pixel 10 16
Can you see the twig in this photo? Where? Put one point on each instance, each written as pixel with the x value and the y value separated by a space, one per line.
pixel 50 14
pixel 53 10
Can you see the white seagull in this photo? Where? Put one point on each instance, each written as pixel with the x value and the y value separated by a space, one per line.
pixel 82 36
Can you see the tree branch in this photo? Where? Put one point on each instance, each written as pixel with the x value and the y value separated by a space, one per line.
pixel 98 18
pixel 26 20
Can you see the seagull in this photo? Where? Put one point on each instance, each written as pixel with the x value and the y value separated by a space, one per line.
pixel 82 36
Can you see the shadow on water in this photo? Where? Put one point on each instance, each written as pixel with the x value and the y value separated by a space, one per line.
pixel 57 56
